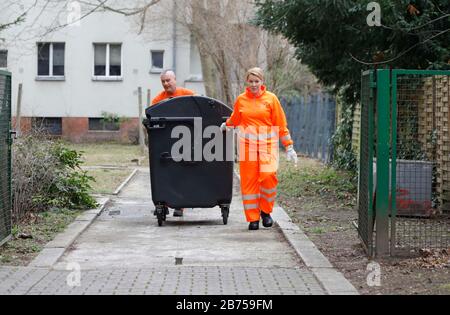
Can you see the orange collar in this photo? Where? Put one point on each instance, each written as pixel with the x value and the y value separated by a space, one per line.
pixel 251 95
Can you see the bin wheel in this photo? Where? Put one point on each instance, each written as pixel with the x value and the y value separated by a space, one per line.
pixel 165 214
pixel 161 215
pixel 160 220
pixel 225 215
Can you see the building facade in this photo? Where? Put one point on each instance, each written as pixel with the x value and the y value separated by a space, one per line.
pixel 80 81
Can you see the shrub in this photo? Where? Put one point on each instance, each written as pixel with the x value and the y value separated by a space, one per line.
pixel 46 175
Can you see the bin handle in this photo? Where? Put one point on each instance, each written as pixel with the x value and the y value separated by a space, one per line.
pixel 167 157
pixel 147 124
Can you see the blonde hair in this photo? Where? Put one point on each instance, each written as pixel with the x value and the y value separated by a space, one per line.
pixel 257 72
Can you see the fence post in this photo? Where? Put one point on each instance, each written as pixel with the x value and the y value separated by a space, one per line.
pixel 383 140
pixel 141 131
pixel 19 111
pixel 149 98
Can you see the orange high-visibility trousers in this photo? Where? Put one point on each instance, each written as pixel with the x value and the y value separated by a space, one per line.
pixel 259 180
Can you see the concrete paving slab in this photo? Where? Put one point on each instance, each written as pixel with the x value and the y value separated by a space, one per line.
pixel 47 258
pixel 19 280
pixel 127 234
pixel 334 282
pixel 183 281
pixel 87 217
pixel 56 248
pixel 306 249
pixel 125 252
pixel 64 240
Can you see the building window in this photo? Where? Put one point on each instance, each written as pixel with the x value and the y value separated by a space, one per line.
pixel 51 59
pixel 100 124
pixel 51 126
pixel 3 59
pixel 108 60
pixel 157 61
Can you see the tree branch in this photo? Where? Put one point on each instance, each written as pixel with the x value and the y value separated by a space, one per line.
pixel 401 54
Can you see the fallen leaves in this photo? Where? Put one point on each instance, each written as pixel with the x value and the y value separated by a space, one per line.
pixel 429 259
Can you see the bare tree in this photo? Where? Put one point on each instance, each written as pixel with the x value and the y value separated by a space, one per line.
pixel 229 44
pixel 227 41
pixel 286 75
pixel 34 12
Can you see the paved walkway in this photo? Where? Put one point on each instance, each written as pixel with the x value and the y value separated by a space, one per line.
pixel 123 251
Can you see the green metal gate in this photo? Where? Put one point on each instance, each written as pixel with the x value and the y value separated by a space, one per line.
pixel 5 156
pixel 404 188
pixel 365 200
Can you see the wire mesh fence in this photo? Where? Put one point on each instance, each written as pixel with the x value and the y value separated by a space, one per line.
pixel 404 176
pixel 421 158
pixel 5 156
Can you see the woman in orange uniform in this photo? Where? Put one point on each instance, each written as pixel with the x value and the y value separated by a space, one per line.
pixel 262 124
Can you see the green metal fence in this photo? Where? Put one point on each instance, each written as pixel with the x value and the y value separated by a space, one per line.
pixel 405 147
pixel 5 156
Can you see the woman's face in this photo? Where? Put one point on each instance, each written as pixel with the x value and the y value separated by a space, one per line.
pixel 254 83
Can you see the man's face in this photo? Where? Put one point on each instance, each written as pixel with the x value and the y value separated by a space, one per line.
pixel 169 82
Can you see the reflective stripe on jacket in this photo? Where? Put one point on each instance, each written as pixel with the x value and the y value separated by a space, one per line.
pixel 259 117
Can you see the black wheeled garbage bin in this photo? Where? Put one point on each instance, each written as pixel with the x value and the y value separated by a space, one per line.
pixel 191 160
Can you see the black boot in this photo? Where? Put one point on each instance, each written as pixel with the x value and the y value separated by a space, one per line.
pixel 254 226
pixel 266 219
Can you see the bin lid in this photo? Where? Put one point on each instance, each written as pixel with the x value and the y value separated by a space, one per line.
pixel 190 106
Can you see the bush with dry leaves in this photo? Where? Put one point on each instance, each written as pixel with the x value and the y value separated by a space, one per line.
pixel 47 175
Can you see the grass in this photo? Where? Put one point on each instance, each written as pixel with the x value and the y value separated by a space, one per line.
pixel 445 287
pixel 312 179
pixel 110 154
pixel 119 157
pixel 108 180
pixel 32 234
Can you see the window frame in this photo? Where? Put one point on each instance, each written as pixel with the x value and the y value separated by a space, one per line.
pixel 46 122
pixel 152 68
pixel 107 76
pixel 50 76
pixel 105 125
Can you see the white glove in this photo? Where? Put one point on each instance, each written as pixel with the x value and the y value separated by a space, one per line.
pixel 291 155
pixel 223 127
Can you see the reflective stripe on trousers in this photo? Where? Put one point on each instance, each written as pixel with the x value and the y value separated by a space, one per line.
pixel 259 187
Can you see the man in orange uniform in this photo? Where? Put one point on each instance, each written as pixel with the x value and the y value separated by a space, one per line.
pixel 169 83
pixel 262 124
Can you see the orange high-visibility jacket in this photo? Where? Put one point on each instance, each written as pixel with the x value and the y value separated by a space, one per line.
pixel 262 111
pixel 164 95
